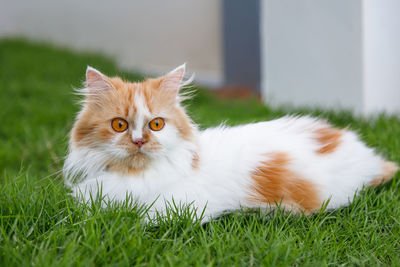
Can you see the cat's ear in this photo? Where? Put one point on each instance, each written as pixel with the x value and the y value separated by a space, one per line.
pixel 172 81
pixel 95 80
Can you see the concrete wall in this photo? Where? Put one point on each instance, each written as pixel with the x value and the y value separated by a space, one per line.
pixel 381 56
pixel 147 35
pixel 342 53
pixel 311 53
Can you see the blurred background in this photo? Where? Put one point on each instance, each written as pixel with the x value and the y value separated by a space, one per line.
pixel 313 53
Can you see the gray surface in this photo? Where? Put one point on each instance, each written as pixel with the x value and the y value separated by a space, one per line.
pixel 241 43
pixel 312 52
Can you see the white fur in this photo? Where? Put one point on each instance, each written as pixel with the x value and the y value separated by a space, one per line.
pixel 142 113
pixel 228 156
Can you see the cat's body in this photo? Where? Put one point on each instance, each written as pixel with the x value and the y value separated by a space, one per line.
pixel 297 162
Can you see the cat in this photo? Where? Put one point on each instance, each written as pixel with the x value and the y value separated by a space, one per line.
pixel 136 139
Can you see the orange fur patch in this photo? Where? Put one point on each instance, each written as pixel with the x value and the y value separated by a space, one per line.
pixel 274 183
pixel 328 138
pixel 389 169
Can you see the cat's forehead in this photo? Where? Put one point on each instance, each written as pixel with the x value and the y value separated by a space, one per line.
pixel 141 97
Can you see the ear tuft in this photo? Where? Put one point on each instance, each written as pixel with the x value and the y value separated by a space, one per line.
pixel 179 71
pixel 173 80
pixel 95 79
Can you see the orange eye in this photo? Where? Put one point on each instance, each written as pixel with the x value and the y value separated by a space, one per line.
pixel 119 125
pixel 157 124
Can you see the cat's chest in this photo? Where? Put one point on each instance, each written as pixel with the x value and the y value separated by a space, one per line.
pixel 162 181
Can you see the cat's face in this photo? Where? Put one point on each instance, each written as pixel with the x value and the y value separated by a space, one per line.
pixel 131 124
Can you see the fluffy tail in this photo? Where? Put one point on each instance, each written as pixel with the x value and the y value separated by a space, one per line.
pixel 389 169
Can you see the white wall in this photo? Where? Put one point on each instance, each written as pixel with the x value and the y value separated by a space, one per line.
pixel 332 54
pixel 147 35
pixel 311 53
pixel 382 56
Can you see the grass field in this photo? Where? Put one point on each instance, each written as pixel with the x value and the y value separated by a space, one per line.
pixel 40 224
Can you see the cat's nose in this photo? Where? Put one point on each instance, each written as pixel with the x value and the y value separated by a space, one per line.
pixel 139 142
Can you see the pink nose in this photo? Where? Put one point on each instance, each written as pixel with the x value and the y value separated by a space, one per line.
pixel 139 142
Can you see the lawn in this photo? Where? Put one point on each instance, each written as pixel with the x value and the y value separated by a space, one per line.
pixel 40 224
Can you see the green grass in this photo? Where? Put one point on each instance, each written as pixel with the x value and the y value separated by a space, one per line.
pixel 40 224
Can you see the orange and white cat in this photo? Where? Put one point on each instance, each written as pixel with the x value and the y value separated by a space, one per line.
pixel 136 139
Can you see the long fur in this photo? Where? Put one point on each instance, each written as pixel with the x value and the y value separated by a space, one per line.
pixel 299 162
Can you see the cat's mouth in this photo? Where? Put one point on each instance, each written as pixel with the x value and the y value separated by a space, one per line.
pixel 137 153
pixel 144 151
pixel 131 151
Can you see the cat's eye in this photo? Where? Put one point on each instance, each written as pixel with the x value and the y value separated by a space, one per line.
pixel 119 125
pixel 157 124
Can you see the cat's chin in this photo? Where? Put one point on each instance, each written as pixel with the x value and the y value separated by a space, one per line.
pixel 135 163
